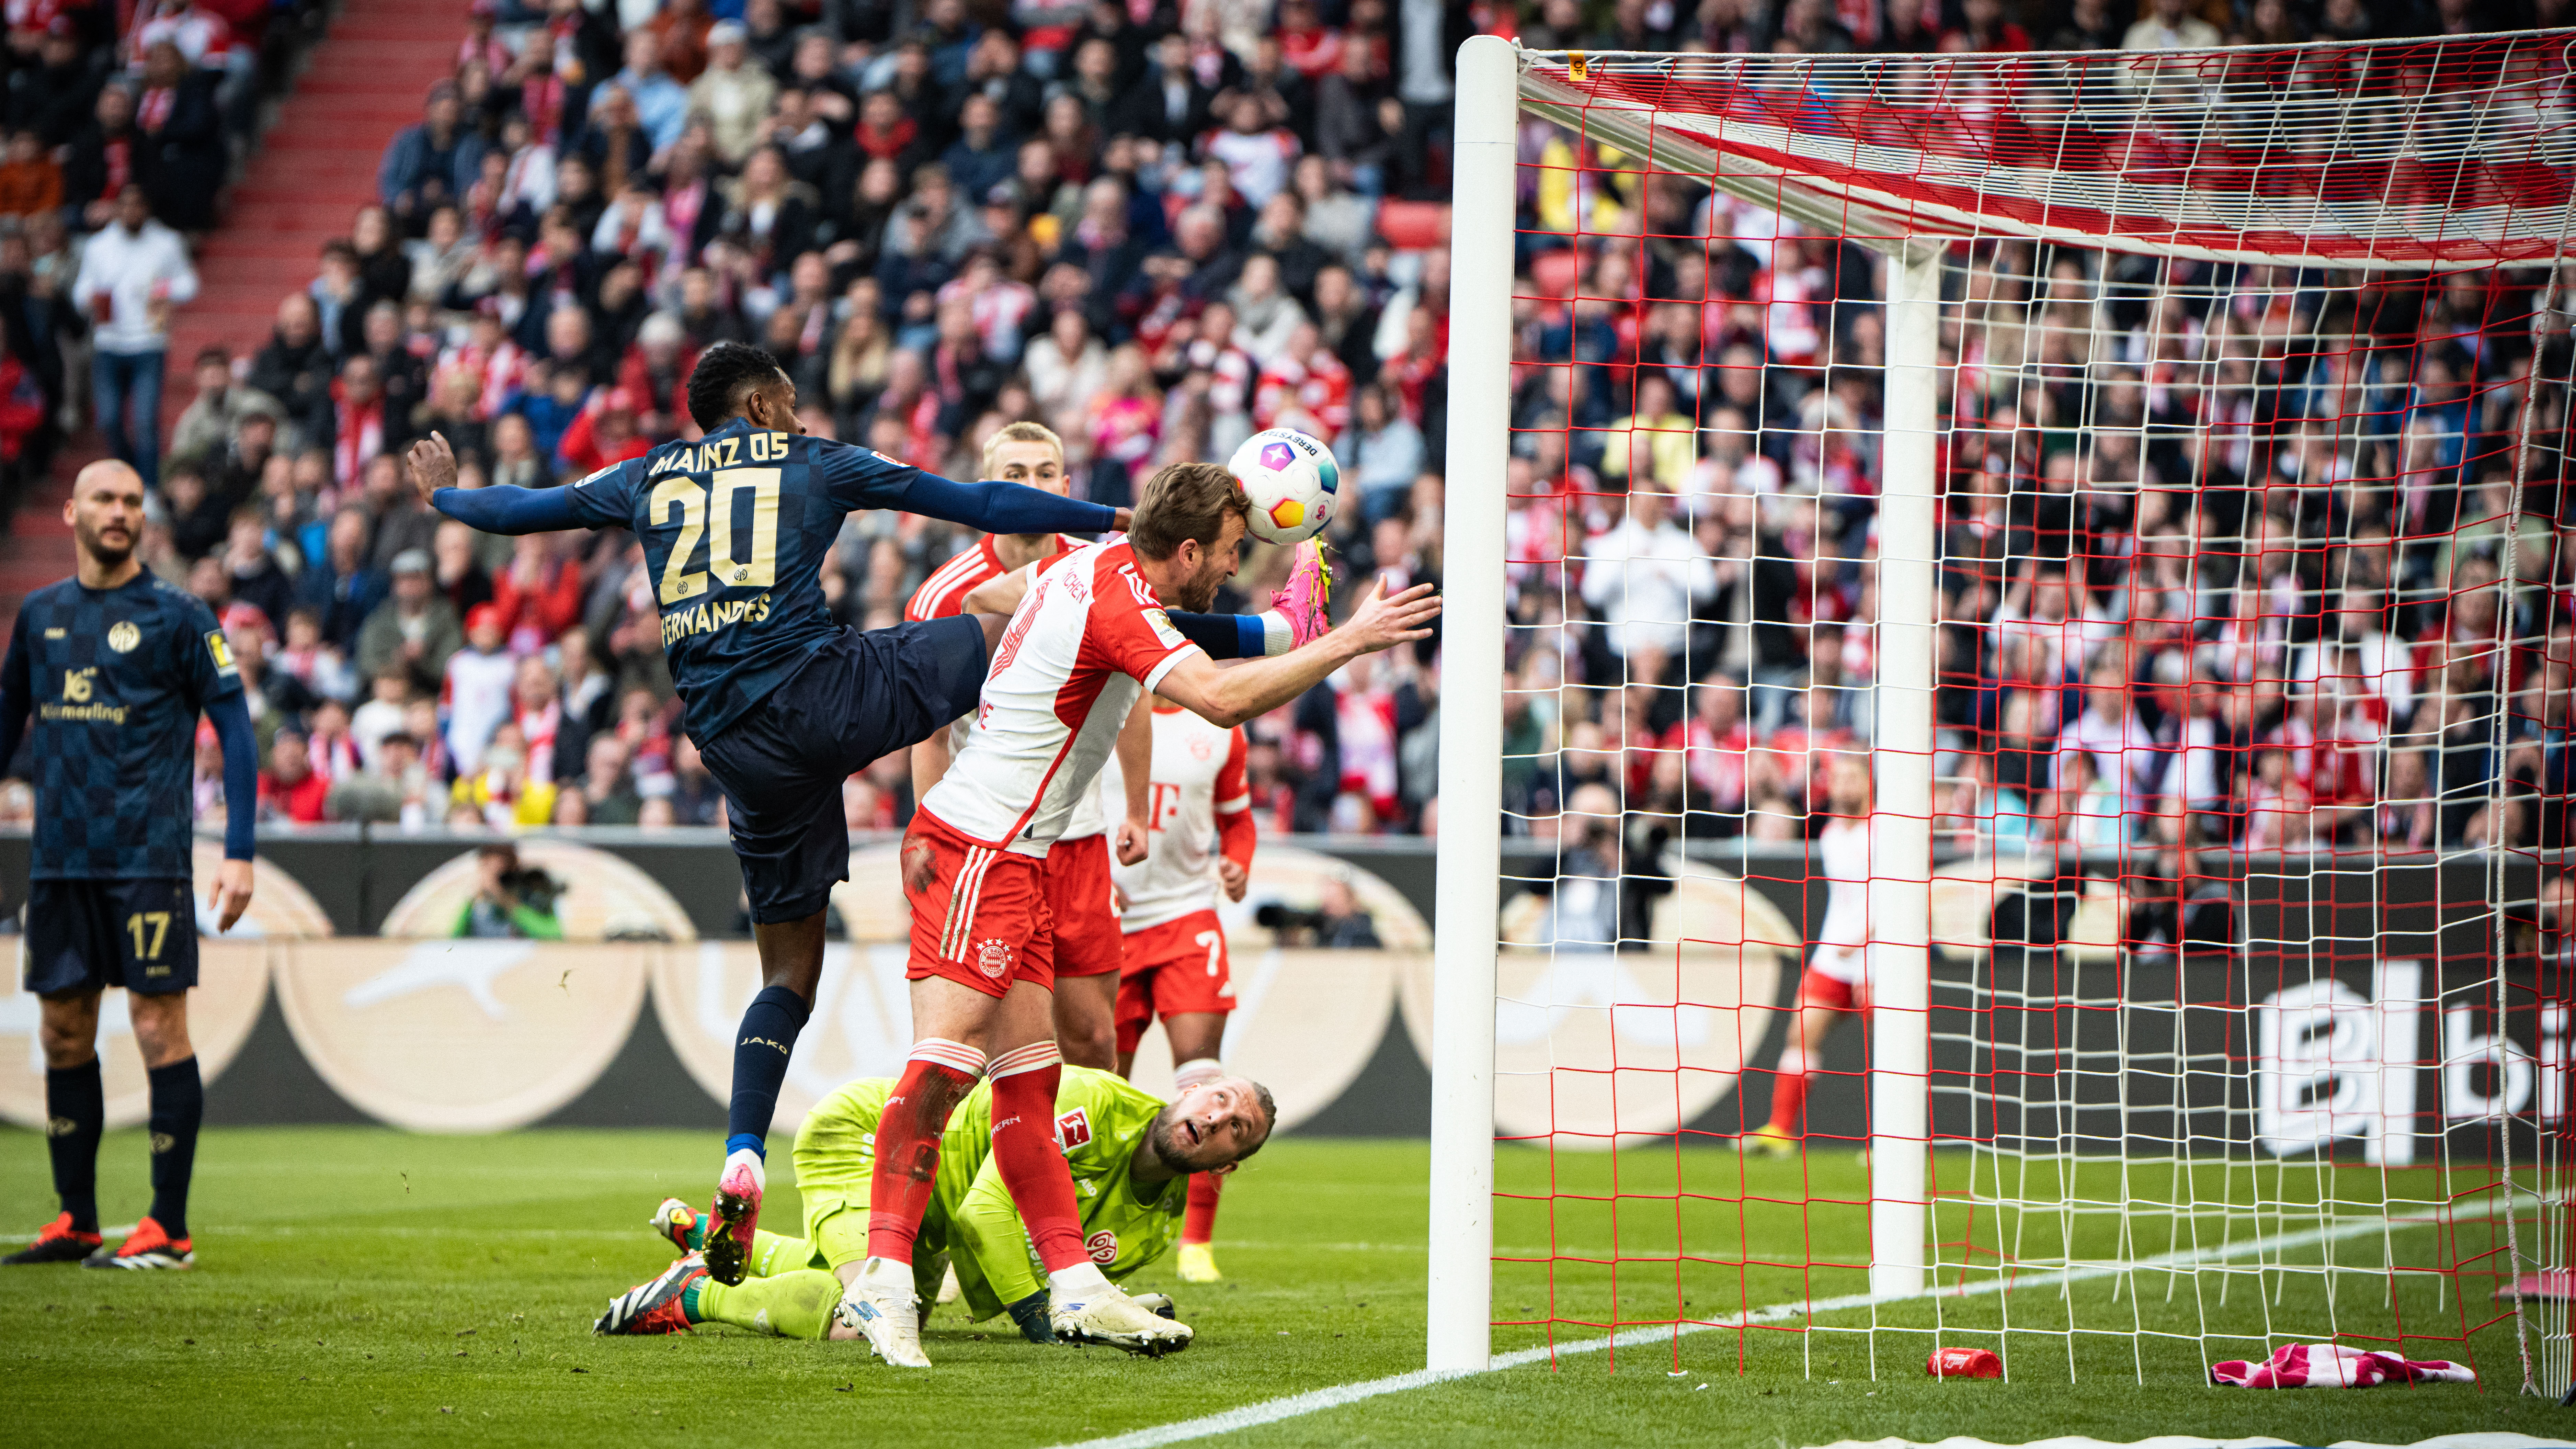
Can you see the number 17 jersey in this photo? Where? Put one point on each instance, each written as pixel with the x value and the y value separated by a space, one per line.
pixel 734 528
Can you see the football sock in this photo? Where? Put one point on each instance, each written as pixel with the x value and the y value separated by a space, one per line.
pixel 790 1305
pixel 939 1074
pixel 178 1109
pixel 773 1254
pixel 1198 1222
pixel 1789 1092
pixel 1236 636
pixel 75 1114
pixel 768 1034
pixel 1024 1147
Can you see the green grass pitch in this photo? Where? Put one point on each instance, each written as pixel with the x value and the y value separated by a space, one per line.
pixel 369 1287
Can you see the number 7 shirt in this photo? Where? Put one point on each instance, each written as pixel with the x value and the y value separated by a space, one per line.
pixel 1090 637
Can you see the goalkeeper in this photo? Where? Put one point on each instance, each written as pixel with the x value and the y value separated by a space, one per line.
pixel 1131 1155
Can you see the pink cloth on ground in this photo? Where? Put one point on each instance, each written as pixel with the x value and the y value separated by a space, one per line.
pixel 2333 1366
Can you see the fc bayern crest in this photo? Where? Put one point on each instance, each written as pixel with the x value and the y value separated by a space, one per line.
pixel 994 958
pixel 123 636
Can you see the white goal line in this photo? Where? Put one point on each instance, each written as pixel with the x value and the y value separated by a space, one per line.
pixel 1294 1406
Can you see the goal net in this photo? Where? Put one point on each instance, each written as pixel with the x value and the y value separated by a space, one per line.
pixel 2032 698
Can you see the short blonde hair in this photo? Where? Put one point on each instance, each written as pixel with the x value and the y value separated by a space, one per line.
pixel 1020 433
pixel 1185 501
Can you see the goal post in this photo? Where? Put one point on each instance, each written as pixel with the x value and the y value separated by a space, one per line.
pixel 2066 558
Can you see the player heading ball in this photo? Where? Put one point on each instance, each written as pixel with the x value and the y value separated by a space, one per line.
pixel 1092 634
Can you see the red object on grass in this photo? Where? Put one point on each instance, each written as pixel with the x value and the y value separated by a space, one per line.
pixel 1964 1363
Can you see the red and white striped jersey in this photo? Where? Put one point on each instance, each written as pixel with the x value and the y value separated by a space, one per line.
pixel 943 596
pixel 1089 639
pixel 1198 777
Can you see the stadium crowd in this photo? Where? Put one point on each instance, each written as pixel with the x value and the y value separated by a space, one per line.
pixel 2218 541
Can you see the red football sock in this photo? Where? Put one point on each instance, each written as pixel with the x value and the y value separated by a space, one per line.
pixel 938 1076
pixel 1024 1083
pixel 1788 1101
pixel 1198 1224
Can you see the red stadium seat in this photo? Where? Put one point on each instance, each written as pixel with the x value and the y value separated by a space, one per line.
pixel 1413 226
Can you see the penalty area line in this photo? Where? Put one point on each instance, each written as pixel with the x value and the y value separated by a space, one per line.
pixel 1316 1401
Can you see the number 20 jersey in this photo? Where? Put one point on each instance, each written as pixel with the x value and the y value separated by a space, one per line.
pixel 734 528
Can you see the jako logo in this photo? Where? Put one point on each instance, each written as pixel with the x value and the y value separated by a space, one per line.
pixel 1103 1246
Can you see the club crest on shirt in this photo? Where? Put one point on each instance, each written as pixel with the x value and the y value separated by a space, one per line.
pixel 1103 1246
pixel 994 958
pixel 122 636
pixel 1073 1130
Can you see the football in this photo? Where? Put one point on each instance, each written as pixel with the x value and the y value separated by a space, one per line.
pixel 1293 483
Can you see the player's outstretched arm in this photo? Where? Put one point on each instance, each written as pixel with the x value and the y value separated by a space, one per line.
pixel 1135 772
pixel 1223 636
pixel 500 508
pixel 1004 507
pixel 1228 697
pixel 230 716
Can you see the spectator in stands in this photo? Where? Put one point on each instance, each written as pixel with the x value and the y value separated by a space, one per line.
pixel 180 138
pixel 289 791
pixel 296 369
pixel 661 103
pixel 734 92
pixel 2169 25
pixel 205 430
pixel 132 273
pixel 413 630
pixel 30 181
pixel 431 164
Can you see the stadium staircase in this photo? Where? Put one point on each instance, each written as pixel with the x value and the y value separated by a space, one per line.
pixel 312 170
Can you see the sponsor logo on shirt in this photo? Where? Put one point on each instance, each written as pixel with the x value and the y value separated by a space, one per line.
pixel 1073 1130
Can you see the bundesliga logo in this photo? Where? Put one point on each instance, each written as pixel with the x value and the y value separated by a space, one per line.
pixel 994 958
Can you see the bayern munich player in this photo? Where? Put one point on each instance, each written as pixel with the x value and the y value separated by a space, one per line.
pixel 1090 636
pixel 1077 870
pixel 1176 968
pixel 1837 979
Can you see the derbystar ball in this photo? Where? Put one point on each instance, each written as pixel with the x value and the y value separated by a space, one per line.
pixel 1292 481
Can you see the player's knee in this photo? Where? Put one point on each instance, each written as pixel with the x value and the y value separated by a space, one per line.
pixel 1088 1045
pixel 162 1032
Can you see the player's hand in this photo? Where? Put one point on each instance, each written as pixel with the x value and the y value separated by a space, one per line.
pixel 231 893
pixel 433 465
pixel 918 859
pixel 1122 520
pixel 1231 875
pixel 1383 621
pixel 1133 844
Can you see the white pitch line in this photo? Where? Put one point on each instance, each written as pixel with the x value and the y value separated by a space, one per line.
pixel 1272 1411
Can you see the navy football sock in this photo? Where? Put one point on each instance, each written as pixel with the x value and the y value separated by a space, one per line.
pixel 769 1028
pixel 178 1109
pixel 75 1113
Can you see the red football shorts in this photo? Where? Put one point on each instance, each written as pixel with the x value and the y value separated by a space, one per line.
pixel 1818 988
pixel 1087 942
pixel 1173 969
pixel 983 921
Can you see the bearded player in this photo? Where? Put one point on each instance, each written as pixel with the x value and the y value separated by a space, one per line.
pixel 1127 1149
pixel 1088 639
pixel 1087 932
pixel 1837 979
pixel 116 666
pixel 1176 968
pixel 783 703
